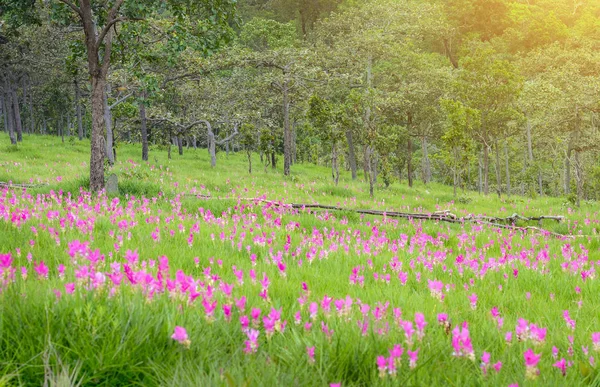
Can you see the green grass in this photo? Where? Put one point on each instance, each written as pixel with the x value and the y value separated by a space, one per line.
pixel 99 337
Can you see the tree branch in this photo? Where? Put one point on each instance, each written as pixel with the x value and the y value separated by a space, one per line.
pixel 73 7
pixel 226 139
pixel 107 28
pixel 119 101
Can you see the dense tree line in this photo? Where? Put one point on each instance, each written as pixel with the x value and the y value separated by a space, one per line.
pixel 499 96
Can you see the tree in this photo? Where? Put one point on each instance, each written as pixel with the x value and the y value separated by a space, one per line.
pixel 99 20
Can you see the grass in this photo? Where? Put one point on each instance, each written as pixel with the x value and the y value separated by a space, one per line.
pixel 119 333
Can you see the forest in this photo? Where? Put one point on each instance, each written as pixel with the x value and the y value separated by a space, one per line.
pixel 496 96
pixel 299 193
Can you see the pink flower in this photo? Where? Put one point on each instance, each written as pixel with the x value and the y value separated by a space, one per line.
pixel 596 341
pixel 473 300
pixel 497 366
pixel 382 364
pixel 561 365
pixel 413 356
pixel 531 361
pixel 508 337
pixel 310 351
pixel 70 288
pixel 252 342
pixel 180 335
pixel 41 269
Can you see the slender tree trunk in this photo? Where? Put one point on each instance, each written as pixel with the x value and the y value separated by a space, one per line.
pixel 497 168
pixel 249 154
pixel 211 146
pixel 78 110
pixel 578 178
pixel 9 116
pixel 409 170
pixel 368 162
pixel 143 127
pixel 454 172
pixel 180 145
pixel 480 175
pixel 287 133
pixel 4 112
pixel 486 169
pixel 426 162
pixel 17 115
pixel 31 115
pixel 351 153
pixel 25 105
pixel 273 160
pixel 568 171
pixel 335 172
pixel 507 168
pixel 109 129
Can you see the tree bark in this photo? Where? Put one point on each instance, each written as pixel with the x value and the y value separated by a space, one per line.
pixel 109 128
pixel 143 127
pixel 409 151
pixel 507 168
pixel 180 145
pixel 17 115
pixel 31 116
pixel 498 173
pixel 249 154
pixel 578 178
pixel 480 173
pixel 78 110
pixel 486 169
pixel 9 116
pixel 351 153
pixel 287 133
pixel 4 113
pixel 568 171
pixel 426 162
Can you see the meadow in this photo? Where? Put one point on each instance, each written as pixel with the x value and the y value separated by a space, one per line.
pixel 182 279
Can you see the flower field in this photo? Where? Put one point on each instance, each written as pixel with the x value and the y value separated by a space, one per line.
pixel 175 289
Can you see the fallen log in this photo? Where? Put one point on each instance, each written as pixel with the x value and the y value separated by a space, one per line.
pixel 442 216
pixel 21 185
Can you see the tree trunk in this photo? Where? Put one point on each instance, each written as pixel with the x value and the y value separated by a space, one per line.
pixel 368 154
pixel 249 154
pixel 211 145
pixel 17 115
pixel 366 163
pixel 180 145
pixel 4 113
pixel 287 133
pixel 9 117
pixel 498 173
pixel 480 175
pixel 426 162
pixel 568 171
pixel 78 110
pixel 351 153
pixel 335 171
pixel 578 178
pixel 507 168
pixel 273 160
pixel 486 169
pixel 31 115
pixel 143 127
pixel 409 151
pixel 109 130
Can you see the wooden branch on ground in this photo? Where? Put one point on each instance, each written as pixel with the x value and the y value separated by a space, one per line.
pixel 18 185
pixel 441 216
